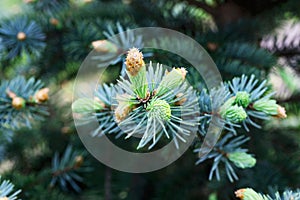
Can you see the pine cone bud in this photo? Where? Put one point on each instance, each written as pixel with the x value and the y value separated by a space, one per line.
pixel 235 114
pixel 134 61
pixel 159 109
pixel 267 106
pixel 249 194
pixel 78 161
pixel 21 36
pixel 171 80
pixel 104 46
pixel 242 159
pixel 242 98
pixel 42 95
pixel 18 103
pixel 136 70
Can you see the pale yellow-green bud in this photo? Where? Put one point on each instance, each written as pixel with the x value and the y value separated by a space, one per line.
pixel 235 114
pixel 242 98
pixel 242 159
pixel 171 80
pixel 159 109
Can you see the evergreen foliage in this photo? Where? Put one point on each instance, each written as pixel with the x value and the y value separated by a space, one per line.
pixel 258 147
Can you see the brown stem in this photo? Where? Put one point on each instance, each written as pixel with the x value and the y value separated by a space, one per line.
pixel 67 169
pixel 221 152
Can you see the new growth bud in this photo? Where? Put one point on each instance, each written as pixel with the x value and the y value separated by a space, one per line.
pixel 122 111
pixel 104 46
pixel 181 99
pixel 159 109
pixel 42 95
pixel 134 61
pixel 78 161
pixel 270 108
pixel 21 36
pixel 242 159
pixel 232 112
pixel 235 114
pixel 281 112
pixel 18 103
pixel 249 194
pixel 242 98
pixel 171 80
pixel 136 70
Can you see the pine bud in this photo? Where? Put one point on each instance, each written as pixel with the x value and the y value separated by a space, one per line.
pixel 42 95
pixel 159 109
pixel 267 106
pixel 212 46
pixel 21 36
pixel 86 105
pixel 171 80
pixel 78 161
pixel 242 98
pixel 4 198
pixel 134 61
pixel 249 194
pixel 136 71
pixel 18 103
pixel 235 114
pixel 242 159
pixel 181 99
pixel 281 112
pixel 104 46
pixel 54 21
pixel 122 111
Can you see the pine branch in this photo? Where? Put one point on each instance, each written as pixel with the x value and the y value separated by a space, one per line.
pixel 22 101
pixel 66 170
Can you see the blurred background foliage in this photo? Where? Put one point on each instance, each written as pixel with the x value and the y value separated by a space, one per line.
pixel 260 37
